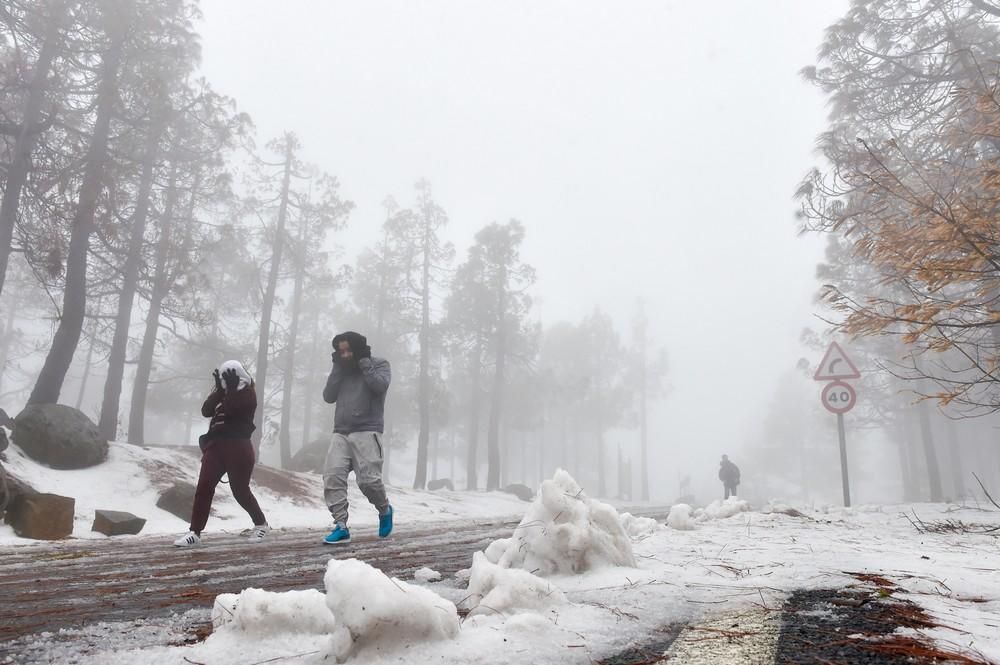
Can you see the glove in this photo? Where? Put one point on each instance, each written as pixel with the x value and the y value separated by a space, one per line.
pixel 363 352
pixel 218 381
pixel 232 380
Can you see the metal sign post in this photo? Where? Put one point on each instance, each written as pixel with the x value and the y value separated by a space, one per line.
pixel 839 397
pixel 843 460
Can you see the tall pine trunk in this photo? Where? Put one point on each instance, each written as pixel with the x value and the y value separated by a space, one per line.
pixel 496 408
pixel 452 453
pixel 160 287
pixel 8 337
pixel 424 384
pixel 285 435
pixel 472 450
pixel 89 360
pixel 435 453
pixel 28 130
pixel 108 422
pixel 67 336
pixel 264 341
pixel 927 439
pixel 911 482
pixel 955 462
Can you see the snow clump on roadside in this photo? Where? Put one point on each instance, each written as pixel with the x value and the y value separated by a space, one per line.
pixel 720 510
pixel 265 613
pixel 680 517
pixel 564 532
pixel 637 527
pixel 424 575
pixel 374 611
pixel 493 589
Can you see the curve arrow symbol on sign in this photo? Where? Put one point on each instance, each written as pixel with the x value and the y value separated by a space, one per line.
pixel 836 365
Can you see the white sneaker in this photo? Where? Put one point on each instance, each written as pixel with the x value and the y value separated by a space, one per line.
pixel 189 540
pixel 257 533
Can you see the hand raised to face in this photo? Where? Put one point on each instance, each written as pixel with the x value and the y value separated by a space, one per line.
pixel 231 378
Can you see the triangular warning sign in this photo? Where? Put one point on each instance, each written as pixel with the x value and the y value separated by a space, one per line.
pixel 836 365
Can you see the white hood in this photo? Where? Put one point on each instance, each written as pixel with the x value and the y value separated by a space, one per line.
pixel 245 379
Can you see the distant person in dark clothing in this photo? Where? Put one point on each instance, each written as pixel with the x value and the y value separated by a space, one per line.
pixel 729 474
pixel 227 449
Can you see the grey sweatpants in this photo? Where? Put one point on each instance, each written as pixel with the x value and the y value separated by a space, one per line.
pixel 360 452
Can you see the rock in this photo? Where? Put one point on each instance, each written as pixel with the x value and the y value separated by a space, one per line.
pixel 178 500
pixel 59 436
pixel 4 441
pixel 522 492
pixel 5 420
pixel 117 523
pixel 312 457
pixel 441 483
pixel 11 487
pixel 41 516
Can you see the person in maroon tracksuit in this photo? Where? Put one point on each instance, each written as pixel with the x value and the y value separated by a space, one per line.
pixel 227 449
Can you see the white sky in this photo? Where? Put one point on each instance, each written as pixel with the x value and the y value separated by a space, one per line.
pixel 650 149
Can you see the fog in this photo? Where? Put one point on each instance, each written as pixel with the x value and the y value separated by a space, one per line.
pixel 656 157
pixel 650 153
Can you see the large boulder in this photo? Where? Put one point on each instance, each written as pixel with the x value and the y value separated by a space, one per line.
pixel 440 483
pixel 59 436
pixel 117 523
pixel 4 441
pixel 522 492
pixel 178 500
pixel 41 516
pixel 311 457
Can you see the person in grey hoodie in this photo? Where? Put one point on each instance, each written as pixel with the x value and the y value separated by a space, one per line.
pixel 357 384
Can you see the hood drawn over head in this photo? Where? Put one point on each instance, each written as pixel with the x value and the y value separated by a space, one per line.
pixel 245 378
pixel 356 341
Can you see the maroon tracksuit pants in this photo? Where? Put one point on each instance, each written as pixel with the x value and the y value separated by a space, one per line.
pixel 226 456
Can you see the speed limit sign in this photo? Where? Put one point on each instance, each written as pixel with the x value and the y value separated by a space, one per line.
pixel 839 397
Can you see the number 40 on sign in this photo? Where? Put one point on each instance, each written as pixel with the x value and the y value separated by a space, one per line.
pixel 839 397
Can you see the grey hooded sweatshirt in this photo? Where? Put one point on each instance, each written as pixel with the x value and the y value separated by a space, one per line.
pixel 359 394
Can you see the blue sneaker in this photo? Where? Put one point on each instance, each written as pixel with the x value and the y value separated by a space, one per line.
pixel 339 536
pixel 385 524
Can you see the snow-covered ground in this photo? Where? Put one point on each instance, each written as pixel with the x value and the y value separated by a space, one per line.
pixel 578 582
pixel 722 565
pixel 133 477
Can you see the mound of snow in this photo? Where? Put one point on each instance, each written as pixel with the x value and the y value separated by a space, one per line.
pixel 720 510
pixel 680 517
pixel 493 589
pixel 374 611
pixel 262 613
pixel 564 531
pixel 637 526
pixel 424 575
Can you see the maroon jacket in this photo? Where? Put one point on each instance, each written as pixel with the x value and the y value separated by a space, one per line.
pixel 231 414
